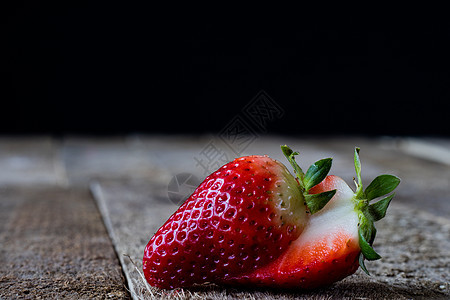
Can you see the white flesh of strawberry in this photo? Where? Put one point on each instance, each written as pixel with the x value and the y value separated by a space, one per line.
pixel 337 220
pixel 293 209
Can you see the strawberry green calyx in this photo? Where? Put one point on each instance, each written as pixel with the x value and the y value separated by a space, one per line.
pixel 368 213
pixel 290 155
pixel 314 175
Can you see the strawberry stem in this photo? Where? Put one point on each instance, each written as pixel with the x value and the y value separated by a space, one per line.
pixel 359 186
pixel 290 156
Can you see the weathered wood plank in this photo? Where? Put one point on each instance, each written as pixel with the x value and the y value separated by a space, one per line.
pixel 437 150
pixel 31 161
pixel 131 218
pixel 89 158
pixel 53 245
pixel 415 249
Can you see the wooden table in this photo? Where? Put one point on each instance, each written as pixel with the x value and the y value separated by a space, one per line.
pixel 75 213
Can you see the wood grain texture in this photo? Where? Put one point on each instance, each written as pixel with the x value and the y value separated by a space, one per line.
pixel 415 250
pixel 31 161
pixel 413 240
pixel 54 245
pixel 53 242
pixel 89 158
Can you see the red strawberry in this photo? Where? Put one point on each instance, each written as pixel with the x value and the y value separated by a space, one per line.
pixel 241 218
pixel 335 241
pixel 251 222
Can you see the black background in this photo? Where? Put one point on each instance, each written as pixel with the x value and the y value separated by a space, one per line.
pixel 115 68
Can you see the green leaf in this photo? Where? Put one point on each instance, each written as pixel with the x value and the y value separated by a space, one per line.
pixel 372 235
pixel 378 209
pixel 362 265
pixel 316 202
pixel 366 226
pixel 317 172
pixel 290 155
pixel 366 249
pixel 359 190
pixel 381 185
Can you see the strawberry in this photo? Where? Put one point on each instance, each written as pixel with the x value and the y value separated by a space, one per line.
pixel 336 240
pixel 241 218
pixel 252 223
